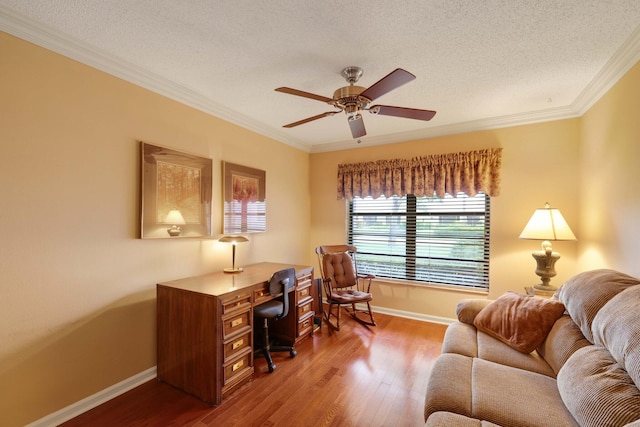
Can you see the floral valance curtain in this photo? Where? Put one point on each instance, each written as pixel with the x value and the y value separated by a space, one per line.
pixel 470 172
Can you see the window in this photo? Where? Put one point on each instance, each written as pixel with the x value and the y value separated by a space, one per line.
pixel 428 239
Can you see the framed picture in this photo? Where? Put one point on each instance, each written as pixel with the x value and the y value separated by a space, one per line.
pixel 244 199
pixel 175 194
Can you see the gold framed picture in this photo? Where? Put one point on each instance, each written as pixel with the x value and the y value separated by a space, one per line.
pixel 244 191
pixel 175 194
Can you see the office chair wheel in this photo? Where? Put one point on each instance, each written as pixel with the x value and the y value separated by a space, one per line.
pixel 292 353
pixel 272 367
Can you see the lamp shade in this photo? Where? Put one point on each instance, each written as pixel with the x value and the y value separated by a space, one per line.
pixel 547 224
pixel 233 239
pixel 174 217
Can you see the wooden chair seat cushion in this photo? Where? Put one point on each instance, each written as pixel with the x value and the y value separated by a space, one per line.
pixel 342 296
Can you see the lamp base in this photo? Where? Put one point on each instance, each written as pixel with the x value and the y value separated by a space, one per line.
pixel 541 289
pixel 545 269
pixel 173 231
pixel 233 270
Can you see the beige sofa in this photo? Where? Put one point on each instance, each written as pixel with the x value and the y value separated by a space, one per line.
pixel 584 370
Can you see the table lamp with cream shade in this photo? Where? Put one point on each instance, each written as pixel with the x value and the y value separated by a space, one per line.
pixel 175 218
pixel 234 240
pixel 546 224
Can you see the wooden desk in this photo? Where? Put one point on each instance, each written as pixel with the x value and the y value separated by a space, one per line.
pixel 205 327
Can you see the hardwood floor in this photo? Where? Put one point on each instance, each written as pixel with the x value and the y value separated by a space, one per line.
pixel 358 376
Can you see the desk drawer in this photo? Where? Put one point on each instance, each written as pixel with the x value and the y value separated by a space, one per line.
pixel 305 307
pixel 261 295
pixel 303 292
pixel 304 279
pixel 238 368
pixel 236 323
pixel 305 325
pixel 236 345
pixel 236 302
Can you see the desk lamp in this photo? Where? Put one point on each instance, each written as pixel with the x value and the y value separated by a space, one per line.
pixel 546 224
pixel 234 240
pixel 175 218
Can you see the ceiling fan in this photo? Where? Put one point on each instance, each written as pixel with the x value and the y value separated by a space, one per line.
pixel 355 99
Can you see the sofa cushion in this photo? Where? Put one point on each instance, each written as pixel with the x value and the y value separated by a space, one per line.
pixel 617 328
pixel 561 342
pixel 596 390
pixel 520 321
pixel 464 339
pixel 496 351
pixel 499 394
pixel 584 294
pixel 514 397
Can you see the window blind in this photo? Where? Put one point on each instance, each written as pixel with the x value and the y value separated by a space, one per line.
pixel 428 239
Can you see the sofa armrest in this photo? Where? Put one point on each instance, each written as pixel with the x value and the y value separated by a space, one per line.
pixel 448 419
pixel 468 309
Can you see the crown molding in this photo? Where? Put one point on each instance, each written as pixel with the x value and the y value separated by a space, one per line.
pixel 22 27
pixel 620 63
pixel 53 40
pixel 453 129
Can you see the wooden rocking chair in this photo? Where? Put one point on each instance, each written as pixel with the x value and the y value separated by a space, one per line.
pixel 343 285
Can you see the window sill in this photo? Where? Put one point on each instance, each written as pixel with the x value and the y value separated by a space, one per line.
pixel 438 286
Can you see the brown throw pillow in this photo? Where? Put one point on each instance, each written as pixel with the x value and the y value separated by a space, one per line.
pixel 522 322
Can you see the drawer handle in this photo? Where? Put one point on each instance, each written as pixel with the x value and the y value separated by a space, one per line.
pixel 306 323
pixel 260 294
pixel 304 293
pixel 238 304
pixel 237 365
pixel 236 322
pixel 306 308
pixel 237 344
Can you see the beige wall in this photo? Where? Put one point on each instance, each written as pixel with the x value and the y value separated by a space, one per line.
pixel 610 179
pixel 77 304
pixel 77 287
pixel 538 165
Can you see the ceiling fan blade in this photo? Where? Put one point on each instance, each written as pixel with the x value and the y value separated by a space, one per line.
pixel 357 127
pixel 391 81
pixel 304 94
pixel 310 119
pixel 408 113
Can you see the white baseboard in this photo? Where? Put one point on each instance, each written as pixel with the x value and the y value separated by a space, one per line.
pixel 405 314
pixel 412 315
pixel 82 406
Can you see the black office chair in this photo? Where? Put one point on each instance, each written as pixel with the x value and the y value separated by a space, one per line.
pixel 279 285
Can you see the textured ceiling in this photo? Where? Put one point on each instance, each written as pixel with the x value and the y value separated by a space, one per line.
pixel 479 64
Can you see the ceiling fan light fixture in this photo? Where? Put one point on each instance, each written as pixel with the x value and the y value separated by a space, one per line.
pixel 351 110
